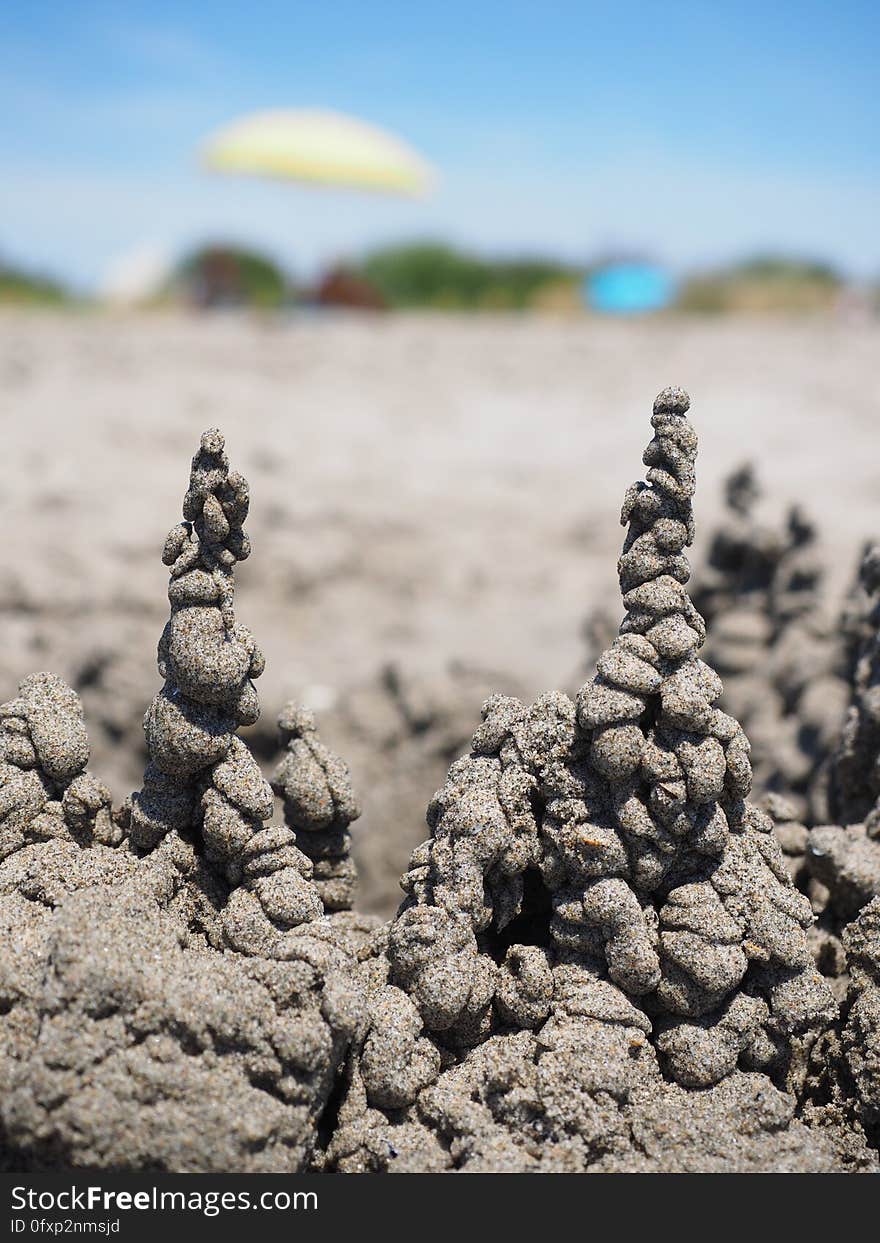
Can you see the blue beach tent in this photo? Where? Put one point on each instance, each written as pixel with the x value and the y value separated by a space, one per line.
pixel 628 288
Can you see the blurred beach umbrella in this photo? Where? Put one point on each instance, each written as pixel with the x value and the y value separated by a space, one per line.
pixel 323 147
pixel 628 288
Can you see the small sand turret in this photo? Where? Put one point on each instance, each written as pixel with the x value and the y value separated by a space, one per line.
pixel 45 791
pixel 202 778
pixel 319 805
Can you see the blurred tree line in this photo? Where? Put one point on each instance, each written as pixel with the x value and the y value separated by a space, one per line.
pixel 21 287
pixel 433 275
pixel 427 275
pixel 765 283
pixel 436 276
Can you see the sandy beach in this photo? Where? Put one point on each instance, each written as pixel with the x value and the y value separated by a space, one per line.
pixel 424 489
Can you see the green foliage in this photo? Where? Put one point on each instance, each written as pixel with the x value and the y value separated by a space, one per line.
pixel 430 274
pixel 774 268
pixel 28 289
pixel 764 283
pixel 231 276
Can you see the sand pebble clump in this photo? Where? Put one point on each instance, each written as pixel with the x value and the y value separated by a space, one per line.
pixel 45 790
pixel 855 787
pixel 761 591
pixel 844 857
pixel 319 805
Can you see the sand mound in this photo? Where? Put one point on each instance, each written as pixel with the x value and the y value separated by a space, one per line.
pixel 176 997
pixel 599 926
pixel 129 1040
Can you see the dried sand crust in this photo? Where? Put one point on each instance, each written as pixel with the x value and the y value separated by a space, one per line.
pixel 601 963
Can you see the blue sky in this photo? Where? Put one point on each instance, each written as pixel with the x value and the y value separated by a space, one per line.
pixel 696 131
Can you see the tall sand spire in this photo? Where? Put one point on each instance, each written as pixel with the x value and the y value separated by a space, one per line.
pixel 597 902
pixel 202 778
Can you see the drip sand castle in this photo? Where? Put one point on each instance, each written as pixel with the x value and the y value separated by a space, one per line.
pixel 174 996
pixel 601 961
